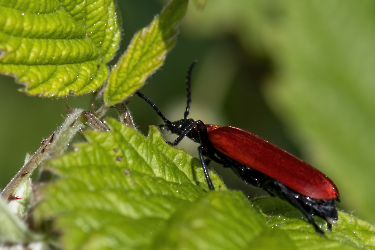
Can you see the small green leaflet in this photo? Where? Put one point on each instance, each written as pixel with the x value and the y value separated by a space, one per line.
pixel 57 49
pixel 146 53
pixel 13 229
pixel 122 190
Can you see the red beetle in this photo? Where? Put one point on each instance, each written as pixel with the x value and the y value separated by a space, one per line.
pixel 259 163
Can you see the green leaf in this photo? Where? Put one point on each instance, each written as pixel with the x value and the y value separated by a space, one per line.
pixel 228 213
pixel 120 188
pixel 146 53
pixel 351 232
pixel 272 239
pixel 57 49
pixel 123 190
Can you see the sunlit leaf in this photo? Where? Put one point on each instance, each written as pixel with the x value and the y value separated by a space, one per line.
pixel 57 49
pixel 146 53
pixel 120 187
pixel 123 190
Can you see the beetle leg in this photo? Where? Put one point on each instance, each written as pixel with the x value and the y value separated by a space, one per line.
pixel 296 204
pixel 205 169
pixel 203 136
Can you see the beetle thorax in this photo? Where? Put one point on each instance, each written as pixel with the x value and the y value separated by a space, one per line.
pixel 183 126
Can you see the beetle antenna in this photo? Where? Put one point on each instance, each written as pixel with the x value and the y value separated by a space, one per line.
pixel 153 105
pixel 188 89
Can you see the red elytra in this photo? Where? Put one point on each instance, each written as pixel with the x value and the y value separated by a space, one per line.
pixel 255 152
pixel 259 163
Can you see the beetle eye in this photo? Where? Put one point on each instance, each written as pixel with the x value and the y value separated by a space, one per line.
pixel 162 126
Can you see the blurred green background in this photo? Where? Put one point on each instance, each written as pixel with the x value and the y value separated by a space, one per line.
pixel 298 73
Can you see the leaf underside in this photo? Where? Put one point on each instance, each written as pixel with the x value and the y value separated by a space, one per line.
pixel 123 190
pixel 57 49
